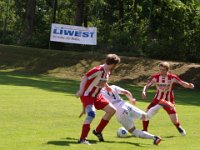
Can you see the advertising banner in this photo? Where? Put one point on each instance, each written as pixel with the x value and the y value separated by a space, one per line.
pixel 73 34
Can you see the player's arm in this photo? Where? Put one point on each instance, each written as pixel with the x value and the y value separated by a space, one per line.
pixel 82 85
pixel 108 88
pixel 129 96
pixel 146 87
pixel 183 83
pixel 187 85
pixel 82 113
pixel 144 91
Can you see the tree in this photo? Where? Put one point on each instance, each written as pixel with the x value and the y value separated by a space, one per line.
pixel 28 22
pixel 55 3
pixel 79 12
pixel 121 14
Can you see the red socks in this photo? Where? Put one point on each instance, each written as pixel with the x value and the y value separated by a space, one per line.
pixel 145 125
pixel 85 131
pixel 177 124
pixel 99 129
pixel 101 125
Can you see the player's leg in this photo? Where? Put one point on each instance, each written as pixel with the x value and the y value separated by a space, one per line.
pixel 174 119
pixel 109 109
pixel 109 112
pixel 126 117
pixel 145 135
pixel 146 123
pixel 90 115
pixel 151 112
pixel 165 103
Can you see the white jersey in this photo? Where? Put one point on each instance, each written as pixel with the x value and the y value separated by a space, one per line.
pixel 125 112
pixel 113 96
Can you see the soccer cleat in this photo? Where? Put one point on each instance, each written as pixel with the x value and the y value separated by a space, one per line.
pixel 156 140
pixel 181 130
pixel 165 103
pixel 84 141
pixel 99 136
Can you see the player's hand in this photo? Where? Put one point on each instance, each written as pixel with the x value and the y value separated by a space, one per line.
pixel 78 94
pixel 191 85
pixel 109 89
pixel 144 96
pixel 133 101
pixel 81 114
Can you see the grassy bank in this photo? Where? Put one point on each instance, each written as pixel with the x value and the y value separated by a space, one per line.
pixel 72 65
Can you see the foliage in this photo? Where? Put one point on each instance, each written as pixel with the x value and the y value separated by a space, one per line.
pixel 172 28
pixel 149 28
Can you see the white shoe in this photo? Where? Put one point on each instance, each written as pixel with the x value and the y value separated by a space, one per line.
pixel 84 142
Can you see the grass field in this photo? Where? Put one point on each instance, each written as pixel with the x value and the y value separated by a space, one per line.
pixel 41 113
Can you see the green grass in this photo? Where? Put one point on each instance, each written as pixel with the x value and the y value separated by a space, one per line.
pixel 41 113
pixel 42 60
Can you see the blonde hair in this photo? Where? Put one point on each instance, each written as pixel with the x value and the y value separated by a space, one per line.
pixel 165 64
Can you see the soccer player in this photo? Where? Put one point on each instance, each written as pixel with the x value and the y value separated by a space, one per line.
pixel 164 82
pixel 91 84
pixel 127 113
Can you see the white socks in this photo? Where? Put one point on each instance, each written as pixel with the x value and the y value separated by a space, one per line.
pixel 152 111
pixel 143 134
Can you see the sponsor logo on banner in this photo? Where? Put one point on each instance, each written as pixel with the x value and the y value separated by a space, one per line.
pixel 73 34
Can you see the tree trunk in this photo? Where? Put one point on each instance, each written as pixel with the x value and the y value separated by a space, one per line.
pixel 55 3
pixel 121 14
pixel 79 12
pixel 28 22
pixel 85 17
pixel 135 12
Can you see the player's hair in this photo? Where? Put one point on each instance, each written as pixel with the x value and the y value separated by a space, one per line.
pixel 112 59
pixel 165 64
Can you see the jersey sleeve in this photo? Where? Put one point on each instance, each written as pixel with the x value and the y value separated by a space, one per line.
pixel 176 79
pixel 151 81
pixel 118 89
pixel 93 73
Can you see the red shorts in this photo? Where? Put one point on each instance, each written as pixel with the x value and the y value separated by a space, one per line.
pixel 167 109
pixel 98 102
pixel 87 100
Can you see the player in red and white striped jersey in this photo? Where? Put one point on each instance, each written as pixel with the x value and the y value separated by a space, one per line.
pixel 91 84
pixel 164 82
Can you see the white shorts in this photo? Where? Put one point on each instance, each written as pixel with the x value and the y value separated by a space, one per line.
pixel 127 113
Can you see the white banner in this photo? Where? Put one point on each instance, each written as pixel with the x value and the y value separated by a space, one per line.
pixel 73 34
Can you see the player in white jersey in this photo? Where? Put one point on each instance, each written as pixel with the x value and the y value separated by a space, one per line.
pixel 127 113
pixel 164 82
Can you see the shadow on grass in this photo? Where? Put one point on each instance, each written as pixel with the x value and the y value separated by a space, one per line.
pixel 130 143
pixel 70 141
pixel 61 143
pixel 182 96
pixel 39 81
pixel 169 137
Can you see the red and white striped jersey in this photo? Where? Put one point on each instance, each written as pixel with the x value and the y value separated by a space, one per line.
pixel 97 77
pixel 164 86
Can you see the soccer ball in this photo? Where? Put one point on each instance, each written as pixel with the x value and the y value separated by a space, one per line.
pixel 122 132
